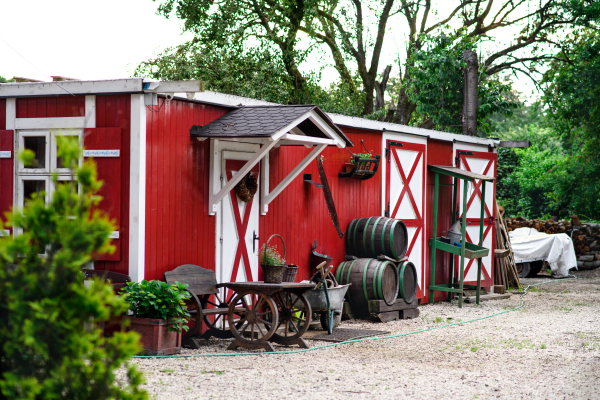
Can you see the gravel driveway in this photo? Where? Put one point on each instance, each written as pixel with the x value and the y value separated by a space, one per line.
pixel 549 349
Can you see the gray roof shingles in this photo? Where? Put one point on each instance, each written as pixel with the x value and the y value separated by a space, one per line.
pixel 259 121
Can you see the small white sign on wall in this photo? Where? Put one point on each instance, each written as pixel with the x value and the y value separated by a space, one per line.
pixel 5 154
pixel 114 235
pixel 101 153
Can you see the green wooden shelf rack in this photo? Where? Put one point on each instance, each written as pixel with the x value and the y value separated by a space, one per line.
pixel 466 250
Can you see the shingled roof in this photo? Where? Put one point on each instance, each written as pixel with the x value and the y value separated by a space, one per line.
pixel 265 121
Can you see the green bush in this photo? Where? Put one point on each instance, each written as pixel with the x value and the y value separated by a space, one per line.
pixel 50 344
pixel 160 300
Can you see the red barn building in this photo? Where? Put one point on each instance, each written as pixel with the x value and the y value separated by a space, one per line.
pixel 170 164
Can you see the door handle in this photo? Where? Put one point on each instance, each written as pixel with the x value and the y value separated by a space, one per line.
pixel 254 239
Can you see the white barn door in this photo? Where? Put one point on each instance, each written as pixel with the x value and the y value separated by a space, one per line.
pixel 485 164
pixel 239 226
pixel 405 191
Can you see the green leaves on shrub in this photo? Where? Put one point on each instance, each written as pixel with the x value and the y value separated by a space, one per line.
pixel 160 300
pixel 50 343
pixel 270 256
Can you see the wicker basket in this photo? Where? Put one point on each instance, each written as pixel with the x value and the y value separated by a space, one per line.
pixel 274 273
pixel 290 273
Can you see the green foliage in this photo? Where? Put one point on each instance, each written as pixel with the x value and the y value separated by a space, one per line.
pixel 160 300
pixel 270 256
pixel 437 83
pixel 362 156
pixel 572 92
pixel 4 80
pixel 50 344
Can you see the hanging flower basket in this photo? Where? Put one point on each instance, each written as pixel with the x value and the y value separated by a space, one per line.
pixel 361 167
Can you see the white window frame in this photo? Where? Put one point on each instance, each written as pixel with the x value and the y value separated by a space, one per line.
pixel 21 146
pixel 54 149
pixel 23 174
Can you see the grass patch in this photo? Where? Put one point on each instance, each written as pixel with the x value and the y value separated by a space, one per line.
pixel 167 370
pixel 212 372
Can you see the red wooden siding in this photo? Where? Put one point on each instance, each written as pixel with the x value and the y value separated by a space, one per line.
pixel 178 228
pixel 299 213
pixel 438 153
pixel 51 107
pixel 109 172
pixel 2 113
pixel 6 173
pixel 114 111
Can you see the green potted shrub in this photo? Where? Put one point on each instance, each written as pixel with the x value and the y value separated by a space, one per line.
pixel 159 314
pixel 271 262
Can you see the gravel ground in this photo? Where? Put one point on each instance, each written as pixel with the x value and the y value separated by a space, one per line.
pixel 549 349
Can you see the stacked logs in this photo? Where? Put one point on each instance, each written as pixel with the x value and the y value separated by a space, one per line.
pixel 586 236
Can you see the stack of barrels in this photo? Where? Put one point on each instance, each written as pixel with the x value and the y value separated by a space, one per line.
pixel 372 276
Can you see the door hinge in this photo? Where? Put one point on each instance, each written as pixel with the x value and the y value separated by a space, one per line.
pixel 387 154
pixel 221 177
pixel 221 240
pixel 465 153
pixel 387 211
pixel 457 162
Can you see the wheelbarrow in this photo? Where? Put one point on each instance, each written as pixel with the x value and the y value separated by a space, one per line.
pixel 327 301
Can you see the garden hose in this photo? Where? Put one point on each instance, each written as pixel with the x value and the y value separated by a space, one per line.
pixel 363 339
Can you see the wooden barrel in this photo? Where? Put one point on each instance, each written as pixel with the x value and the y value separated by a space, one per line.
pixel 374 236
pixel 407 281
pixel 371 279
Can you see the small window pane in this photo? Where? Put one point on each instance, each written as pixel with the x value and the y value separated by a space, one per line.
pixel 37 144
pixel 31 187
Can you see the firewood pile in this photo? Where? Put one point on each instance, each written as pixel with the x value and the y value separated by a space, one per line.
pixel 586 237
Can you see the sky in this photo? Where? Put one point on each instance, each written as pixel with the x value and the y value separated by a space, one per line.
pixel 108 39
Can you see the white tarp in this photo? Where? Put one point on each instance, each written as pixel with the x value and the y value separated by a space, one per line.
pixel 557 249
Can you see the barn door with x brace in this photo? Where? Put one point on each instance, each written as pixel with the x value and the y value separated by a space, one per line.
pixel 405 188
pixel 239 226
pixel 485 164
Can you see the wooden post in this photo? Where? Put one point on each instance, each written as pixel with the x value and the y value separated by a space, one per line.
pixel 470 99
pixel 481 216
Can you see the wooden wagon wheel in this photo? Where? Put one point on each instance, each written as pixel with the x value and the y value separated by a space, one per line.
pixel 219 327
pixel 294 317
pixel 251 330
pixel 195 320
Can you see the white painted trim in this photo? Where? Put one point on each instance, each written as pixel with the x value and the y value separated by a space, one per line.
pixel 295 172
pixel 21 147
pixel 24 89
pixel 466 147
pixel 264 184
pixel 356 122
pixel 174 86
pixel 137 194
pixel 11 113
pixel 213 175
pixel 54 149
pixel 50 123
pixel 90 111
pixel 321 124
pixel 307 139
pixel 227 99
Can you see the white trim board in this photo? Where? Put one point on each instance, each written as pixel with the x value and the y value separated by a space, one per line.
pixel 50 123
pixel 27 89
pixel 137 189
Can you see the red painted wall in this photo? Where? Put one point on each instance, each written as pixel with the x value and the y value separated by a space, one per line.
pixel 51 107
pixel 438 153
pixel 114 111
pixel 178 228
pixel 300 214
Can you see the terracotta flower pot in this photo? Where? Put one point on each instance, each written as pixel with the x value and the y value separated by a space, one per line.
pixel 156 338
pixel 349 167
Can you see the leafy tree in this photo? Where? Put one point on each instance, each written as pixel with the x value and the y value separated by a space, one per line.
pixel 572 92
pixel 437 85
pixel 353 33
pixel 50 347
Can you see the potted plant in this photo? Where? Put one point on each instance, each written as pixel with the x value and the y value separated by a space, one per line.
pixel 159 314
pixel 271 262
pixel 361 156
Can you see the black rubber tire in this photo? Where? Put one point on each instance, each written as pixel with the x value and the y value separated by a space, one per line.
pixel 536 267
pixel 337 320
pixel 523 269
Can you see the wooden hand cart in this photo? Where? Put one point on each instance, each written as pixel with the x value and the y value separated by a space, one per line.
pixel 271 312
